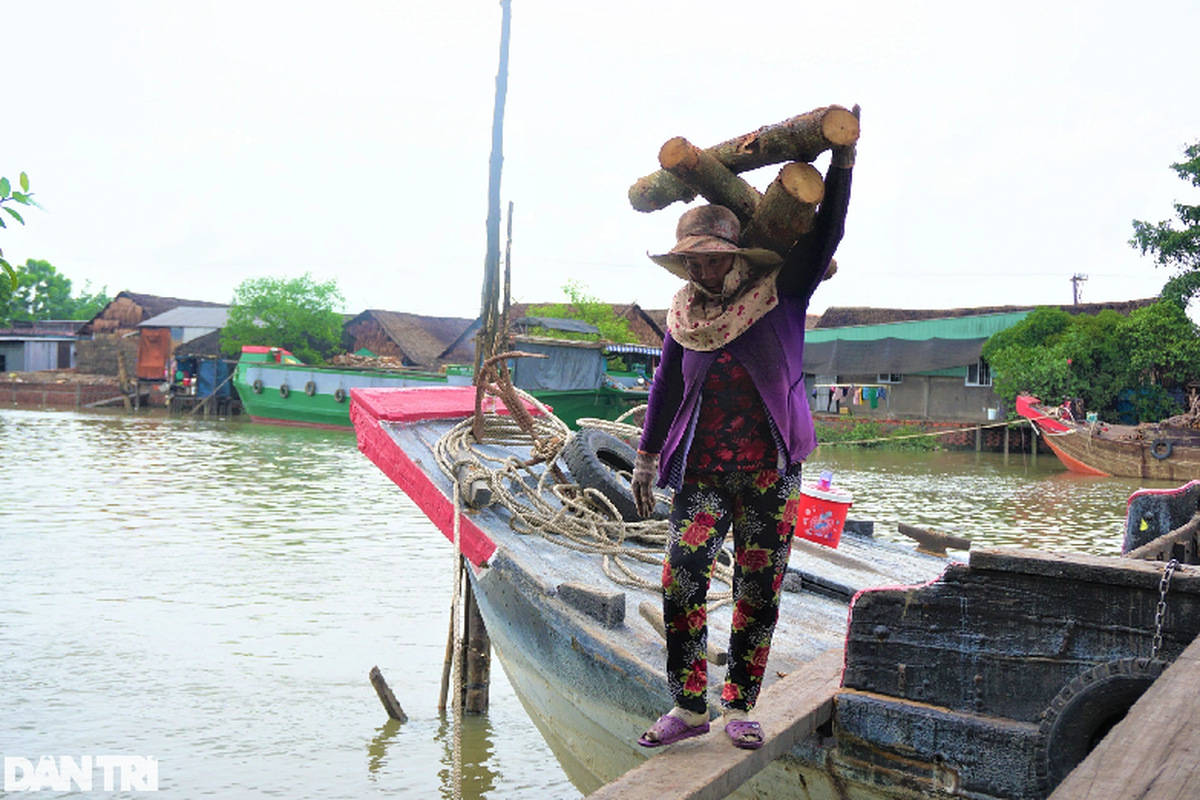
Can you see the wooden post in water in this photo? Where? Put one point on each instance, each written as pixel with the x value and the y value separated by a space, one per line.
pixel 477 656
pixel 390 703
pixel 448 664
pixel 1007 429
pixel 123 378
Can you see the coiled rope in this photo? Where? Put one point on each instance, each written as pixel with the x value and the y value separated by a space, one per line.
pixel 565 514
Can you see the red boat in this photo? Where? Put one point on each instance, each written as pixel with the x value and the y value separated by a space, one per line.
pixel 1159 452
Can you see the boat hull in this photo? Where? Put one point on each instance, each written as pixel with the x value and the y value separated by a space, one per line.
pixel 320 396
pixel 1095 449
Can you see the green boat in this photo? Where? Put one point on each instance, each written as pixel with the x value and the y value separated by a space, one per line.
pixel 570 378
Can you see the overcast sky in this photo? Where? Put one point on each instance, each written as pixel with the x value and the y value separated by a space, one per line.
pixel 180 148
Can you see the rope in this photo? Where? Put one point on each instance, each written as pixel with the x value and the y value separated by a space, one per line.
pixel 456 621
pixel 950 432
pixel 564 514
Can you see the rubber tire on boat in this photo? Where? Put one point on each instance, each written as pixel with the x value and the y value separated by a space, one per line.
pixel 339 394
pixel 284 391
pixel 257 386
pixel 1085 710
pixel 310 388
pixel 594 457
pixel 1161 449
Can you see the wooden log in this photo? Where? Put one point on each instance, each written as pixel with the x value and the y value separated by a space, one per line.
pixel 476 658
pixel 709 178
pixel 390 703
pixel 787 208
pixel 801 138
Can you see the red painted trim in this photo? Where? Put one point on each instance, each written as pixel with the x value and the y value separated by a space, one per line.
pixel 368 408
pixel 1027 407
pixel 1142 492
pixel 870 589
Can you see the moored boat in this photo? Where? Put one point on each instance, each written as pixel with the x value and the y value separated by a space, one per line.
pixel 1163 452
pixel 951 669
pixel 276 387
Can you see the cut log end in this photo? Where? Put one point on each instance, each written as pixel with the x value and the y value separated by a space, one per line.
pixel 803 182
pixel 840 127
pixel 678 152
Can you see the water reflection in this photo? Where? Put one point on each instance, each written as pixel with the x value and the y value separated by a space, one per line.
pixel 377 747
pixel 475 739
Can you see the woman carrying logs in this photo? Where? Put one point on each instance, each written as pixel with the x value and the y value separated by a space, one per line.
pixel 728 427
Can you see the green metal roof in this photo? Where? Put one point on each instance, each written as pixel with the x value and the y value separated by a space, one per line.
pixel 974 327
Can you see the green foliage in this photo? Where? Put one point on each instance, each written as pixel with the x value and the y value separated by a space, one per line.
pixel 7 198
pixel 1176 248
pixel 875 434
pixel 1164 345
pixel 583 306
pixel 298 314
pixel 1101 358
pixel 38 291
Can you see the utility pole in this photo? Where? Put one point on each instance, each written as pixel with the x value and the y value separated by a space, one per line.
pixel 1077 279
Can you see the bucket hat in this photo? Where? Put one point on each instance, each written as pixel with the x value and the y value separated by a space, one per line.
pixel 710 229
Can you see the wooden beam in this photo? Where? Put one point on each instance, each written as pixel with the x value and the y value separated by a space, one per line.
pixel 1152 754
pixel 709 767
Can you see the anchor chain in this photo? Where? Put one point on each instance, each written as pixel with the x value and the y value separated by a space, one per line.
pixel 1161 611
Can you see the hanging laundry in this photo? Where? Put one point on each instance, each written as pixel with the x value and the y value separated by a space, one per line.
pixel 872 396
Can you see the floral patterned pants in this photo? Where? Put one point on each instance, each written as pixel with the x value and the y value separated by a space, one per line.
pixel 761 506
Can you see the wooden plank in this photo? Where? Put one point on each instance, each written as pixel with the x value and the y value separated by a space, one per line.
pixel 709 767
pixel 1152 754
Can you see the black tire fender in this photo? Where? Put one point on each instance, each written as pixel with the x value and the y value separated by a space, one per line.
pixel 1161 448
pixel 1085 710
pixel 257 386
pixel 284 390
pixel 339 395
pixel 595 459
pixel 310 388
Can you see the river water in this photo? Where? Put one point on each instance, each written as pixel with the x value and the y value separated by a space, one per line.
pixel 214 593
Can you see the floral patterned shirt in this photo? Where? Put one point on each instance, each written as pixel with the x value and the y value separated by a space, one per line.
pixel 733 431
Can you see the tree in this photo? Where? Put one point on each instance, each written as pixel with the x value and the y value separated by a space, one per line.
pixel 589 309
pixel 1106 359
pixel 1164 345
pixel 7 197
pixel 1178 248
pixel 299 314
pixel 38 291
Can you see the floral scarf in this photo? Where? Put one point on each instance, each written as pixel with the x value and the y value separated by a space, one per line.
pixel 700 320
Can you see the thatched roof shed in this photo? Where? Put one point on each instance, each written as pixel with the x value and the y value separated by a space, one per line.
pixel 418 341
pixel 127 310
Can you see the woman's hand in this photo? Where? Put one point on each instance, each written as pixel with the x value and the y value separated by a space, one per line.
pixel 645 468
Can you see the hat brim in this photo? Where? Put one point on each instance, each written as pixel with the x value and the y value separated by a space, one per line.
pixel 673 261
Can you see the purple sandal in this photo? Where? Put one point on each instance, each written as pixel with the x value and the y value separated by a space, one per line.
pixel 745 734
pixel 670 729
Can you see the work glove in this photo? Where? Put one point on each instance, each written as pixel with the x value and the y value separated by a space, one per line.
pixel 645 469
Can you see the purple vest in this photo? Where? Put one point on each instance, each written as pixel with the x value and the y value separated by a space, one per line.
pixel 771 350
